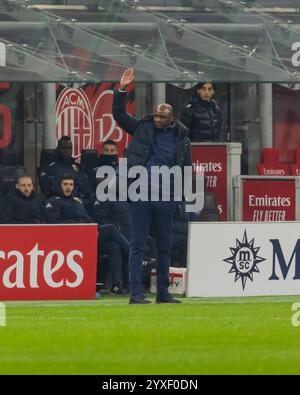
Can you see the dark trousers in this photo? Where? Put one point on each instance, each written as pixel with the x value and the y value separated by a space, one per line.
pixel 116 246
pixel 159 217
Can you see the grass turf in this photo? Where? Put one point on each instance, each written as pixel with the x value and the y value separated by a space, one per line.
pixel 108 336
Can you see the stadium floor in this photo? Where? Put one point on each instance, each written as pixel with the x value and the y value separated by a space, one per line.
pixel 108 336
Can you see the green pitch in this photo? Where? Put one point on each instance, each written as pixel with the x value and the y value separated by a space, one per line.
pixel 108 336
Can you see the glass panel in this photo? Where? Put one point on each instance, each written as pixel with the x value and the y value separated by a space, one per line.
pixel 173 41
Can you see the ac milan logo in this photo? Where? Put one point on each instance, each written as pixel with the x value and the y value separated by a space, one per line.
pixel 74 119
pixel 85 114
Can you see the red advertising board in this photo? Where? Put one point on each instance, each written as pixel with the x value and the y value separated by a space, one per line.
pixel 269 200
pixel 12 118
pixel 286 122
pixel 213 159
pixel 48 262
pixel 85 114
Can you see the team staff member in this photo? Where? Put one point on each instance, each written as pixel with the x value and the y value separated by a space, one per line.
pixel 50 175
pixel 109 156
pixel 22 205
pixel 66 209
pixel 157 140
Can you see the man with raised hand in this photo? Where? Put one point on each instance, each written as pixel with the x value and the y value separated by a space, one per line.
pixel 158 140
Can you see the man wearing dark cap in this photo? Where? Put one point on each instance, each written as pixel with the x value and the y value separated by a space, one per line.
pixel 51 174
pixel 158 140
pixel 202 115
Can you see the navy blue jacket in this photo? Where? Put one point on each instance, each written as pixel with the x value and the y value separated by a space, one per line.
pixel 138 152
pixel 115 213
pixel 203 119
pixel 19 209
pixel 66 210
pixel 50 176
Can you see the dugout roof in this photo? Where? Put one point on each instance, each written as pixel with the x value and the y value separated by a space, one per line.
pixel 165 41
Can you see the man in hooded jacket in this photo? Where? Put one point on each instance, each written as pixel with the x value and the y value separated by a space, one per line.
pixel 50 175
pixel 202 115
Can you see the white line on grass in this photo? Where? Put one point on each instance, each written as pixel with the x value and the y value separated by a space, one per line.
pixel 110 302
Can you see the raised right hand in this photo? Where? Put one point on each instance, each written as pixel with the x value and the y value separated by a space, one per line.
pixel 127 78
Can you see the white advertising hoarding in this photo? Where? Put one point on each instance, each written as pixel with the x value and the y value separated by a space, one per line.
pixel 243 259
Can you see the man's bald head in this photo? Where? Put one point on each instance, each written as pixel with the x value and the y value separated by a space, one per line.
pixel 163 115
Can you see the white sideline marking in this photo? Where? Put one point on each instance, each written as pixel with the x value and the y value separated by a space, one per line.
pixel 124 301
pixel 26 317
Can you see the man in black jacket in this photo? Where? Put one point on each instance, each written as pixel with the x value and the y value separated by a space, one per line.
pixel 67 209
pixel 202 115
pixel 50 175
pixel 157 140
pixel 21 205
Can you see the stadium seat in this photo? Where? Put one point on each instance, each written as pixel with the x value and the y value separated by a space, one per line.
pixel 270 165
pixel 12 171
pixel 8 177
pixel 295 168
pixel 89 158
pixel 47 156
pixel 89 161
pixel 7 183
pixel 8 157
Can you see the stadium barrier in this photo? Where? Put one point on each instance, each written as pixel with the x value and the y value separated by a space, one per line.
pixel 243 259
pixel 221 162
pixel 48 262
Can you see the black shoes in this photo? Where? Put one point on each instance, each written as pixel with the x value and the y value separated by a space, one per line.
pixel 167 299
pixel 139 300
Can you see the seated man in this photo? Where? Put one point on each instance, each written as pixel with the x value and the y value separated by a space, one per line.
pixel 21 205
pixel 109 154
pixel 50 175
pixel 68 209
pixel 65 208
pixel 108 157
